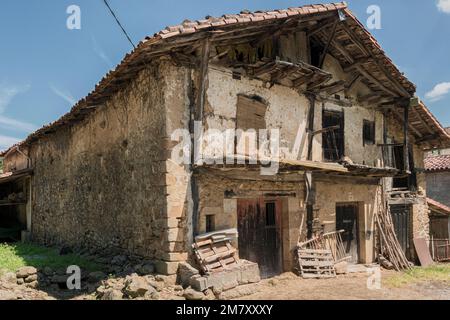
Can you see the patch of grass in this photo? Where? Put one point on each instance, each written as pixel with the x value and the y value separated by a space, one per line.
pixel 438 272
pixel 14 256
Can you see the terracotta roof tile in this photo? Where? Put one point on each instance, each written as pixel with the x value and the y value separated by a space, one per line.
pixel 437 163
pixel 440 206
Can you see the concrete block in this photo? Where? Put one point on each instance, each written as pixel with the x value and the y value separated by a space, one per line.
pixel 250 273
pixel 224 280
pixel 166 267
pixel 198 283
pixel 174 256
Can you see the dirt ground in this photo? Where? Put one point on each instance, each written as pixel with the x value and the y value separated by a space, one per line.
pixel 289 286
pixel 349 287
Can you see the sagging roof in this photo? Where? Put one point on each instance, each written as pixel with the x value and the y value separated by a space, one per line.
pixel 437 163
pixel 294 166
pixel 353 46
pixel 438 207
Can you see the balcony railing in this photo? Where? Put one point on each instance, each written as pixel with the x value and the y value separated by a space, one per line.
pixel 440 249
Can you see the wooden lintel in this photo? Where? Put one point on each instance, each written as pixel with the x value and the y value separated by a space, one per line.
pixel 326 130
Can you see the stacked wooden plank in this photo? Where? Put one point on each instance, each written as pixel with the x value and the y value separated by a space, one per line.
pixel 214 251
pixel 390 248
pixel 315 263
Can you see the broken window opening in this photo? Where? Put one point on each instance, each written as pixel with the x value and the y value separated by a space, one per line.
pixel 250 115
pixel 333 140
pixel 270 214
pixel 404 181
pixel 210 223
pixel 316 52
pixel 368 132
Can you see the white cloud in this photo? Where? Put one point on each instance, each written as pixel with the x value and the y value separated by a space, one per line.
pixel 99 51
pixel 444 5
pixel 13 124
pixel 438 92
pixel 63 94
pixel 6 142
pixel 7 93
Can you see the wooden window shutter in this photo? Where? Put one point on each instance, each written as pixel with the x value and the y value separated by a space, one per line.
pixel 250 114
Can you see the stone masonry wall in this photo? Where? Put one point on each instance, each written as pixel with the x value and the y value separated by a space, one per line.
pixel 438 184
pixel 102 183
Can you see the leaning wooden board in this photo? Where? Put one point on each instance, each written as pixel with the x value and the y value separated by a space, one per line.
pixel 423 252
pixel 316 263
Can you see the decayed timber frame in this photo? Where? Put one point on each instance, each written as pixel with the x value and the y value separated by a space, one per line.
pixel 348 41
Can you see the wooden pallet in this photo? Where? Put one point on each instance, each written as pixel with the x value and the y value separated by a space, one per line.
pixel 316 263
pixel 213 255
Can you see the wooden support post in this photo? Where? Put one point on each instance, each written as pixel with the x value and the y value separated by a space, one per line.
pixel 327 46
pixel 202 81
pixel 310 201
pixel 406 138
pixel 311 113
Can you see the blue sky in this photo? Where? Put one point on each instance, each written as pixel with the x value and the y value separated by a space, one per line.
pixel 45 67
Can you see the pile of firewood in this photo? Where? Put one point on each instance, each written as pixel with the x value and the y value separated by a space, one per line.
pixel 389 246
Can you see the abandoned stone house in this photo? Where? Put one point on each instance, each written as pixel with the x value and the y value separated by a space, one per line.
pixel 351 133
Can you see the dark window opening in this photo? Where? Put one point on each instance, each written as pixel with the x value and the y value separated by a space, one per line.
pixel 210 223
pixel 404 181
pixel 368 132
pixel 333 140
pixel 309 220
pixel 316 53
pixel 270 214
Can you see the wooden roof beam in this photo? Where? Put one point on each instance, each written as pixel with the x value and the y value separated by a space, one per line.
pixel 396 114
pixel 369 53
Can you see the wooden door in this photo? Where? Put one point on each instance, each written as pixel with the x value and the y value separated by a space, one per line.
pixel 401 218
pixel 347 220
pixel 259 227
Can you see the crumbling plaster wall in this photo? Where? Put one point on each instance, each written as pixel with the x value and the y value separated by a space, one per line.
pixel 363 195
pixel 218 196
pixel 102 183
pixel 288 111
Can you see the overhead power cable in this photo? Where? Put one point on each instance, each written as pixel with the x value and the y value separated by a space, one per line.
pixel 118 22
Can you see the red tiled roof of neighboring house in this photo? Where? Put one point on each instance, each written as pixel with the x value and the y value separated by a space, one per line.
pixel 437 163
pixel 191 31
pixel 437 206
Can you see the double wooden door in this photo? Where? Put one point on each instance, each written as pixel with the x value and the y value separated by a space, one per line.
pixel 259 227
